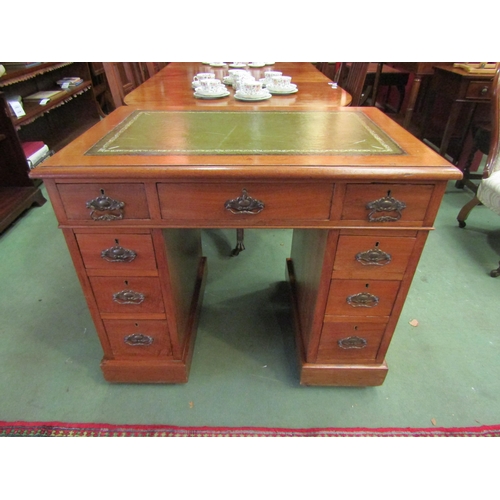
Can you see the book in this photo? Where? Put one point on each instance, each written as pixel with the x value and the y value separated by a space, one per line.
pixel 35 152
pixel 44 95
pixel 70 81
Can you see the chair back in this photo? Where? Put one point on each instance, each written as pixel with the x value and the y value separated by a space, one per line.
pixel 493 160
pixel 352 79
pixel 122 77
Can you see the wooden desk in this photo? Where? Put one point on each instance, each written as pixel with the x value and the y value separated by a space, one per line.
pixel 359 191
pixel 171 88
pixel 460 89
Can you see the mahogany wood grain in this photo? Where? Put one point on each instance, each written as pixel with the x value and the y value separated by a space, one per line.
pixel 171 88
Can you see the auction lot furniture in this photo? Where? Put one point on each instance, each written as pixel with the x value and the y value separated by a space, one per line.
pixel 359 192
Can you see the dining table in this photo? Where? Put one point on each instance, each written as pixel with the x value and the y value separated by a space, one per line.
pixel 172 87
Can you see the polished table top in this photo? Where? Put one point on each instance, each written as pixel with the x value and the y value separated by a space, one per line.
pixel 171 88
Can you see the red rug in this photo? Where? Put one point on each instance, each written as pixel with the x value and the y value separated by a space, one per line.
pixel 62 429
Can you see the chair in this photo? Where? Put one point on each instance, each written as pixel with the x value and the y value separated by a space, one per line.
pixel 352 80
pixel 488 191
pixel 123 77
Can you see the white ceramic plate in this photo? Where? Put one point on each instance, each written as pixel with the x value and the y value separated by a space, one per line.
pixel 208 96
pixel 262 97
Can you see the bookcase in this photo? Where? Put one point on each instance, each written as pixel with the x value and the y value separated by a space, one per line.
pixel 56 123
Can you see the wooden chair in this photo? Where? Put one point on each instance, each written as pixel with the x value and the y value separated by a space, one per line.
pixel 488 191
pixel 352 79
pixel 122 77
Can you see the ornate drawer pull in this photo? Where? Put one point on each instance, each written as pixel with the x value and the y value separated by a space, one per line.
pixel 373 257
pixel 363 299
pixel 118 254
pixel 128 297
pixel 352 343
pixel 385 204
pixel 244 204
pixel 105 204
pixel 138 339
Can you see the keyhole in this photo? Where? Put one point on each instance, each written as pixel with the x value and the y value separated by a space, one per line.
pixel 126 282
pixel 116 241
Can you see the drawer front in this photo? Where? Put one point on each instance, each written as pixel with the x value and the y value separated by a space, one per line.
pixel 127 295
pixel 136 339
pixel 479 90
pixel 378 257
pixel 248 202
pixel 386 204
pixel 117 252
pixel 104 202
pixel 361 297
pixel 348 342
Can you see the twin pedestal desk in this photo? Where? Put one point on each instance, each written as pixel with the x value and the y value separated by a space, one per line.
pixel 132 194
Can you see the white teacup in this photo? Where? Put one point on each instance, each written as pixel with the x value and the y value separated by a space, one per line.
pixel 250 88
pixel 268 75
pixel 203 76
pixel 211 86
pixel 281 82
pixel 240 77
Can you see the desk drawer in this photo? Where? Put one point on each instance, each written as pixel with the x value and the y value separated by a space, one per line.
pixel 136 339
pixel 104 202
pixel 361 297
pixel 130 295
pixel 379 257
pixel 350 342
pixel 228 202
pixel 386 204
pixel 479 90
pixel 117 252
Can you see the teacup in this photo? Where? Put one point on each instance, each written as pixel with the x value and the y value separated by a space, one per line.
pixel 268 75
pixel 250 88
pixel 281 82
pixel 211 86
pixel 240 77
pixel 202 76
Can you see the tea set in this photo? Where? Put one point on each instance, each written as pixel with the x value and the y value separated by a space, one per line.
pixel 245 85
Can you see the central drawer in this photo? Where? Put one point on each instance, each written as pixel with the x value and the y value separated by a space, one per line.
pixel 248 202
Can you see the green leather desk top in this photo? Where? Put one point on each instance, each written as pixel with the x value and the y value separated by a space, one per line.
pixel 246 133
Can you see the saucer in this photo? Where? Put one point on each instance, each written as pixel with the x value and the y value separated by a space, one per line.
pixel 262 96
pixel 291 89
pixel 210 96
pixel 216 64
pixel 238 65
pixel 256 64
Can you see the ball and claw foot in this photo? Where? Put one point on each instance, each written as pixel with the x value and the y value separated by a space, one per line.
pixel 496 272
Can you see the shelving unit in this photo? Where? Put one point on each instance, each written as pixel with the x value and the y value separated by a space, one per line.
pixel 56 123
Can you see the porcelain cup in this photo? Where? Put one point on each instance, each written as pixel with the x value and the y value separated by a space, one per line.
pixel 268 75
pixel 240 77
pixel 211 86
pixel 203 76
pixel 281 82
pixel 250 88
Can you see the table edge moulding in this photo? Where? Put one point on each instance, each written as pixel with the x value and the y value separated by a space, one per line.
pixel 132 194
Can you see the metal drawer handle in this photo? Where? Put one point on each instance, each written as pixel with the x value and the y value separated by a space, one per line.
pixel 118 254
pixel 352 343
pixel 244 204
pixel 138 339
pixel 113 209
pixel 363 299
pixel 385 204
pixel 373 257
pixel 128 297
pixel 484 90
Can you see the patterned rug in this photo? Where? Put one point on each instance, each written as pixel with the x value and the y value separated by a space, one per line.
pixel 63 429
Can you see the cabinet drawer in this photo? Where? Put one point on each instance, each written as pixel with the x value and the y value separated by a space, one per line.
pixel 349 342
pixel 232 202
pixel 117 252
pixel 375 256
pixel 142 338
pixel 127 295
pixel 478 90
pixel 104 202
pixel 361 297
pixel 386 204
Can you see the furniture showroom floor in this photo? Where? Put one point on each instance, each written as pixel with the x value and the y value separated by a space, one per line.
pixel 443 372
